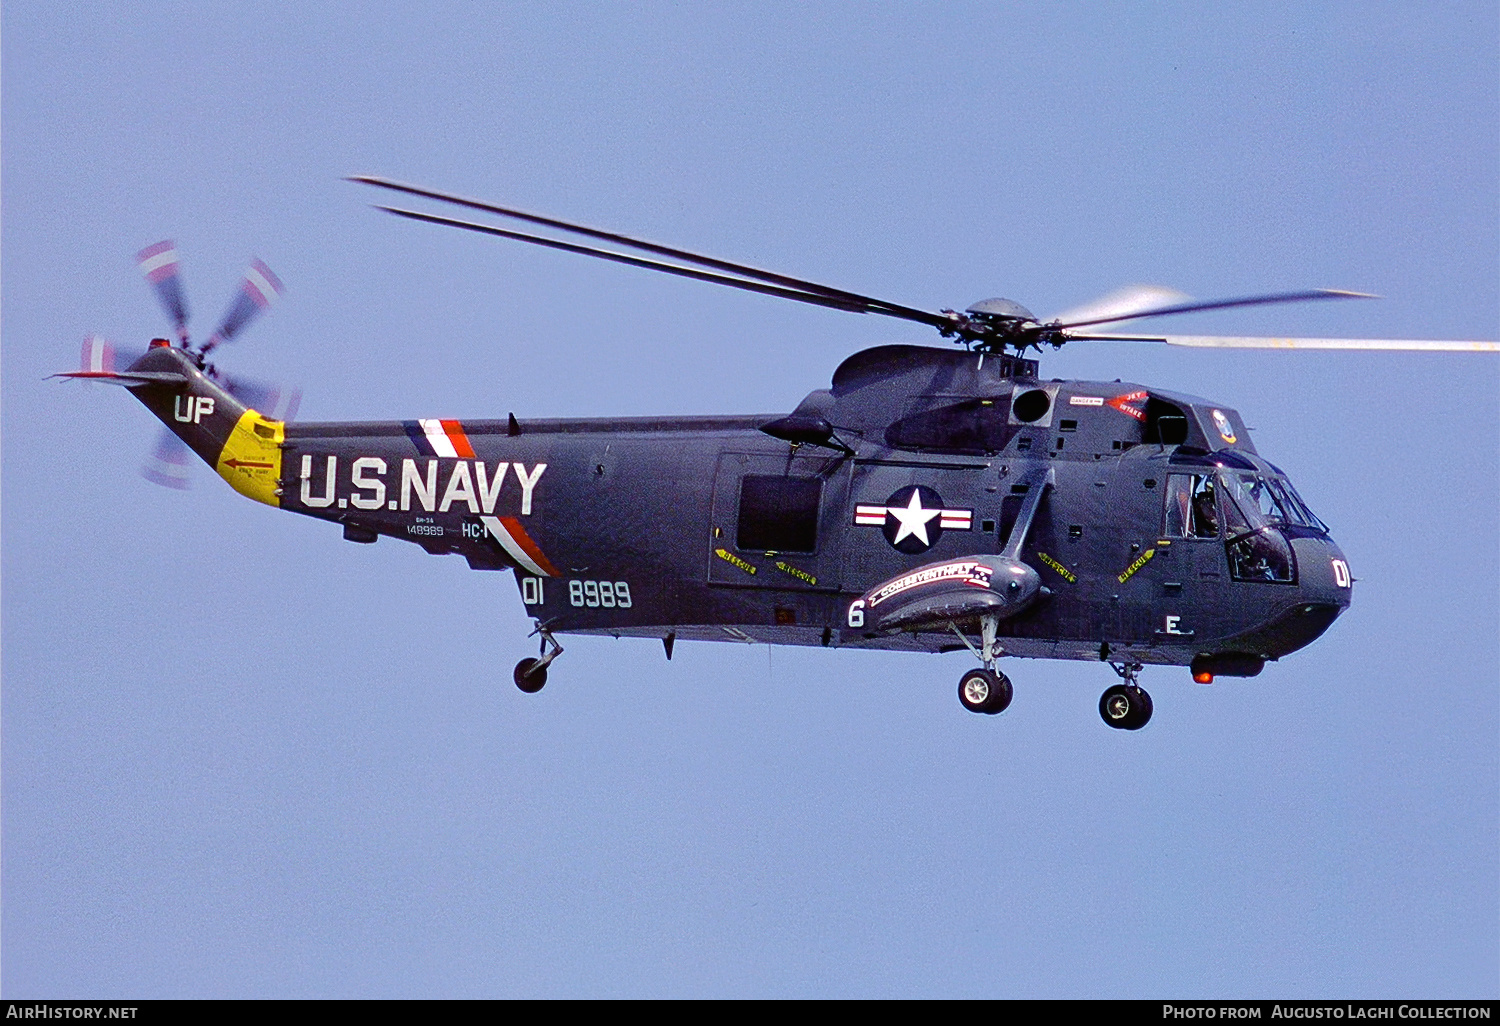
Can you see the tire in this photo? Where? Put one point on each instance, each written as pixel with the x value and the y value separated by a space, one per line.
pixel 975 689
pixel 1146 708
pixel 981 691
pixel 1125 707
pixel 528 680
pixel 1001 695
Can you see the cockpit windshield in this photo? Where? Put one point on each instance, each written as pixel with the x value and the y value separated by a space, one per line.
pixel 1266 501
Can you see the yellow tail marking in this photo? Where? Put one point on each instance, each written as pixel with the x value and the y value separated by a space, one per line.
pixel 251 460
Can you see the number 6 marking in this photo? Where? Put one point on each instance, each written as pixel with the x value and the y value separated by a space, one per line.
pixel 857 613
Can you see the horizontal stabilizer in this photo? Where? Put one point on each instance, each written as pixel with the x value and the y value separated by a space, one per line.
pixel 130 379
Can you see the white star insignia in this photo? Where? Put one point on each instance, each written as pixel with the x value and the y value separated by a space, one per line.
pixel 913 519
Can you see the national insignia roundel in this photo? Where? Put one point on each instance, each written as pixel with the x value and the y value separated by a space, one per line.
pixel 913 518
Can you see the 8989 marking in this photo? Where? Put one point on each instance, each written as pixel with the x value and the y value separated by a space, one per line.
pixel 593 594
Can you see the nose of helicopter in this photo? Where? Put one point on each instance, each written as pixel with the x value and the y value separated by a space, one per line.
pixel 1322 572
pixel 1324 591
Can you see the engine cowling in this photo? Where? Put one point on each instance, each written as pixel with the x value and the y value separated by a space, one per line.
pixel 952 591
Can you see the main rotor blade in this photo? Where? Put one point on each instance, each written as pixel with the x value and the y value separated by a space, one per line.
pixel 836 301
pixel 868 303
pixel 1224 304
pixel 1129 301
pixel 1253 342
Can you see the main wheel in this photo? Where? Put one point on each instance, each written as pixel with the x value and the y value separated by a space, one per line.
pixel 1125 707
pixel 530 680
pixel 984 692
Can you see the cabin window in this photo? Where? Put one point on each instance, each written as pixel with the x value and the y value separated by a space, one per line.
pixel 1191 507
pixel 778 514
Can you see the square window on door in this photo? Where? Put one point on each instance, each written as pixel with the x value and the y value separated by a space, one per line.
pixel 778 514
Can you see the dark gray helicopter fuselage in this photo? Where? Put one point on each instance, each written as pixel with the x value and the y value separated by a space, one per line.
pixel 1163 537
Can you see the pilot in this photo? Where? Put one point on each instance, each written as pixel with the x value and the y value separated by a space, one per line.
pixel 1205 512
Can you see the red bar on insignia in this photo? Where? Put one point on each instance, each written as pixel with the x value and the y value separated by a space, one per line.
pixel 870 516
pixel 956 519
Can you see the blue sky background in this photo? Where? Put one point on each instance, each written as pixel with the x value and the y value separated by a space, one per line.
pixel 244 758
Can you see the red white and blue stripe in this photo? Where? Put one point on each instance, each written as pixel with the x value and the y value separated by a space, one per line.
pixel 519 546
pixel 439 438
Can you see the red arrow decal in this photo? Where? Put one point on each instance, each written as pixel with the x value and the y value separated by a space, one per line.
pixel 242 463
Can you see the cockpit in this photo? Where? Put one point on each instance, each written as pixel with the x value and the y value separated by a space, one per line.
pixel 1253 512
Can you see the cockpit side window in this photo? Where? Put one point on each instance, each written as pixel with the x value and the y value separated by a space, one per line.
pixel 1297 509
pixel 1256 497
pixel 1236 522
pixel 1257 550
pixel 1192 509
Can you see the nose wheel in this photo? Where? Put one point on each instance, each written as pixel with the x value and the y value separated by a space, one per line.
pixel 1126 706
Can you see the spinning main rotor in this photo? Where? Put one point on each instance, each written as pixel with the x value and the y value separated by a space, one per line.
pixel 990 326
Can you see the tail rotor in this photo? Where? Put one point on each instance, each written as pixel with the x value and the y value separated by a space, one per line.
pixel 170 461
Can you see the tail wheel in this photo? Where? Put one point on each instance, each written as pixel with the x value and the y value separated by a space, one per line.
pixel 529 677
pixel 1125 707
pixel 984 691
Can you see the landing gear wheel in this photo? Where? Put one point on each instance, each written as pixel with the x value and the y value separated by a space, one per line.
pixel 528 679
pixel 1126 707
pixel 985 691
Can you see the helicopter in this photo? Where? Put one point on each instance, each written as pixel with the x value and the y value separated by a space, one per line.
pixel 927 500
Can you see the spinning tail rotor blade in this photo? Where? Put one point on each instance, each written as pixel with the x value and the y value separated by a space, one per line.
pixel 259 290
pixel 98 357
pixel 273 401
pixel 159 264
pixel 169 463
